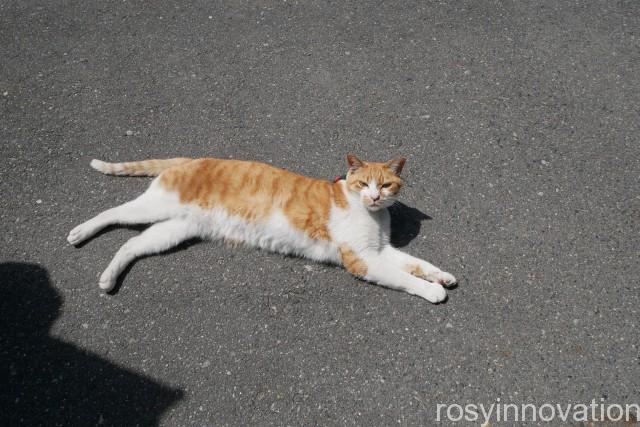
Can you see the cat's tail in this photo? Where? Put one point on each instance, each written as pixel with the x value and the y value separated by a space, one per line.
pixel 143 168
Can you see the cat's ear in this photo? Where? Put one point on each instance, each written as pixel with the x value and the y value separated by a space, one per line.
pixel 354 162
pixel 396 165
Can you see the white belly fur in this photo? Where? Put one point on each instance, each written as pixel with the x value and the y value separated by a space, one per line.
pixel 273 233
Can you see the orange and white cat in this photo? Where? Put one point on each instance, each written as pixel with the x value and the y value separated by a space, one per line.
pixel 345 222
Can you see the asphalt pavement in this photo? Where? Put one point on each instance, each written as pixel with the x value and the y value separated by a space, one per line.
pixel 521 125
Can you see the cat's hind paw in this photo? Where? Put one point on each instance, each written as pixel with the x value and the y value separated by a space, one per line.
pixel 107 281
pixel 79 234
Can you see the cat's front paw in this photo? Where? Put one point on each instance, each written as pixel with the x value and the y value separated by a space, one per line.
pixel 433 293
pixel 445 279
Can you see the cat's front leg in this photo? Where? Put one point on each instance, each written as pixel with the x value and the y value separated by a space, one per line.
pixel 419 267
pixel 376 268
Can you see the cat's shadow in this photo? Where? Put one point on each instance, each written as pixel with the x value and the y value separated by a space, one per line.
pixel 405 224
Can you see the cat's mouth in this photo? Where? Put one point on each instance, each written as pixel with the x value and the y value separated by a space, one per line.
pixel 380 204
pixel 374 206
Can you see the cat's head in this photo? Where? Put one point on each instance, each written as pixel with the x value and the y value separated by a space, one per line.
pixel 377 184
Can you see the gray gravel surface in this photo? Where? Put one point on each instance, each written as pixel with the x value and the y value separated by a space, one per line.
pixel 520 122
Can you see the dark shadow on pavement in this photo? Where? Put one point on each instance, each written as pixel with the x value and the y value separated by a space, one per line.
pixel 405 224
pixel 48 382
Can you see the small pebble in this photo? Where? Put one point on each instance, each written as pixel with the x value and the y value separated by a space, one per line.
pixel 540 193
pixel 448 325
pixel 39 201
pixel 129 133
pixel 5 93
pixel 544 162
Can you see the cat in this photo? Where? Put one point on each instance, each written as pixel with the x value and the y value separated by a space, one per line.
pixel 344 222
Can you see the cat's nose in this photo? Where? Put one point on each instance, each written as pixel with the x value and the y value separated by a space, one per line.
pixel 375 198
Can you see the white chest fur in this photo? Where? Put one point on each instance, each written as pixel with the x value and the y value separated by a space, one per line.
pixel 362 230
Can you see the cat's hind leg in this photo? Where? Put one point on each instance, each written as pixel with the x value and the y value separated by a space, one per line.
pixel 157 238
pixel 153 205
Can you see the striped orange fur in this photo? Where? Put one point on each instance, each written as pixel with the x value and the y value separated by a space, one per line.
pixel 352 262
pixel 252 190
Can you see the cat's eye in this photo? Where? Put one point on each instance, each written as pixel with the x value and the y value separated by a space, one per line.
pixel 386 185
pixel 362 184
